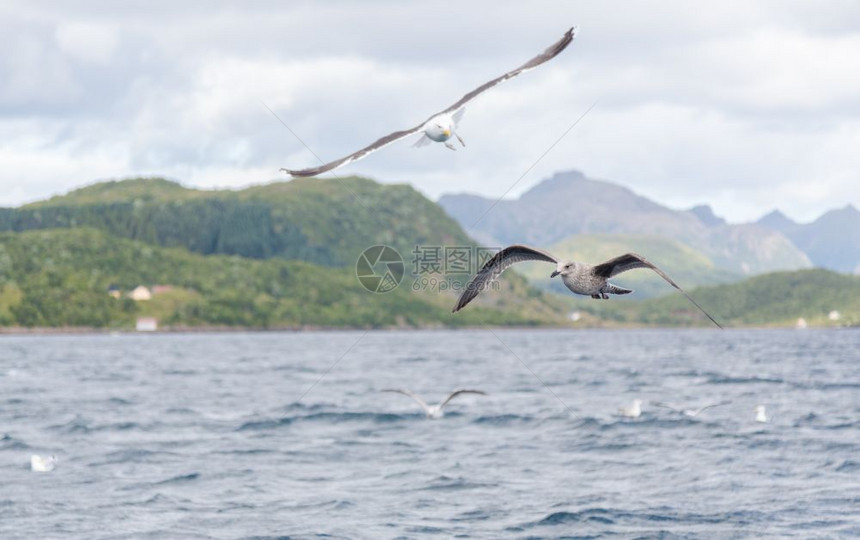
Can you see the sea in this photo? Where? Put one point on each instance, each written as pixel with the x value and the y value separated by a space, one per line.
pixel 289 435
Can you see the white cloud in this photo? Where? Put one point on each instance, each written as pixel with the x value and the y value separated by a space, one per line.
pixel 744 105
pixel 88 41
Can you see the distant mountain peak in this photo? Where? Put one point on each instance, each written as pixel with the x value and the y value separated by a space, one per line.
pixel 569 203
pixel 777 221
pixel 848 210
pixel 707 216
pixel 570 183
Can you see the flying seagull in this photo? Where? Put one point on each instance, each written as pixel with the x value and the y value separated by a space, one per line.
pixel 692 413
pixel 633 411
pixel 441 126
pixel 434 411
pixel 581 278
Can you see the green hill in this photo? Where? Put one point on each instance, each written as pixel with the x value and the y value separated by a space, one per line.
pixel 778 298
pixel 684 264
pixel 119 191
pixel 324 221
pixel 61 278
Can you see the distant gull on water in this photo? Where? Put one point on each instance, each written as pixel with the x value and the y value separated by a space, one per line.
pixel 581 278
pixel 42 464
pixel 692 413
pixel 434 411
pixel 441 126
pixel 760 414
pixel 633 411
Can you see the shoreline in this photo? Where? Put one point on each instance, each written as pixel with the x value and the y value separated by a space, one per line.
pixel 93 331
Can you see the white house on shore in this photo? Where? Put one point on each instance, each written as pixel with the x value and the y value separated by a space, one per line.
pixel 146 324
pixel 140 293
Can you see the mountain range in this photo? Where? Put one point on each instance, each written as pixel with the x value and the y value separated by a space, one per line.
pixel 570 204
pixel 831 241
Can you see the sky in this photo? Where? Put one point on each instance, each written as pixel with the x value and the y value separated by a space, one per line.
pixel 747 106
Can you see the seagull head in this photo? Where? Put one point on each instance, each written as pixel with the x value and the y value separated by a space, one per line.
pixel 563 268
pixel 439 129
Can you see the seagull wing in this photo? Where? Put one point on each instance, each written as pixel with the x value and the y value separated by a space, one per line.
pixel 457 116
pixel 424 140
pixel 545 56
pixel 630 261
pixel 700 410
pixel 410 394
pixel 498 264
pixel 665 406
pixel 355 156
pixel 456 393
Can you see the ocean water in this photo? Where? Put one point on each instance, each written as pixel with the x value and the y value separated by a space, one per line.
pixel 257 435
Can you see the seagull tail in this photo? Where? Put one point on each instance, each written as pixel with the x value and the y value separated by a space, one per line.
pixel 615 289
pixel 423 141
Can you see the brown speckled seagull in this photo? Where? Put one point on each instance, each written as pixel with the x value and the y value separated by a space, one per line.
pixel 581 278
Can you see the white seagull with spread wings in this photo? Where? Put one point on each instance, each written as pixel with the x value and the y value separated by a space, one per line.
pixel 581 278
pixel 441 126
pixel 434 411
pixel 692 413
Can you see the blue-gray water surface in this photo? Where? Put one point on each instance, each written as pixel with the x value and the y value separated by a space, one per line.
pixel 287 434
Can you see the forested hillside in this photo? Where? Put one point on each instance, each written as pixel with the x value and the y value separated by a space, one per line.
pixel 61 278
pixel 324 221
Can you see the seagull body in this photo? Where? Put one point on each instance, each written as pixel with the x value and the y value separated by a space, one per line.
pixel 581 278
pixel 692 413
pixel 441 126
pixel 40 464
pixel 633 411
pixel 434 411
pixel 760 414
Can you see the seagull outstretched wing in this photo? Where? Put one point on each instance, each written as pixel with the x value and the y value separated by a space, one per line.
pixel 456 393
pixel 410 394
pixel 630 261
pixel 500 262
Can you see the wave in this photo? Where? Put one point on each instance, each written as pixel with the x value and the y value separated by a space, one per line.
pixel 81 425
pixel 728 379
pixel 131 456
pixel 604 516
pixel 8 442
pixel 504 419
pixel 335 417
pixel 181 479
pixel 445 483
pixel 848 465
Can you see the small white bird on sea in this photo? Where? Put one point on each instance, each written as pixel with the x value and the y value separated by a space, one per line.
pixel 434 411
pixel 42 464
pixel 441 126
pixel 633 411
pixel 692 413
pixel 760 414
pixel 581 278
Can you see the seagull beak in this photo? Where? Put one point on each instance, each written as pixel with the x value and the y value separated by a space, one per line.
pixel 447 132
pixel 555 273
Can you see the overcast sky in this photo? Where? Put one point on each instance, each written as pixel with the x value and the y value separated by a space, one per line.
pixel 747 106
